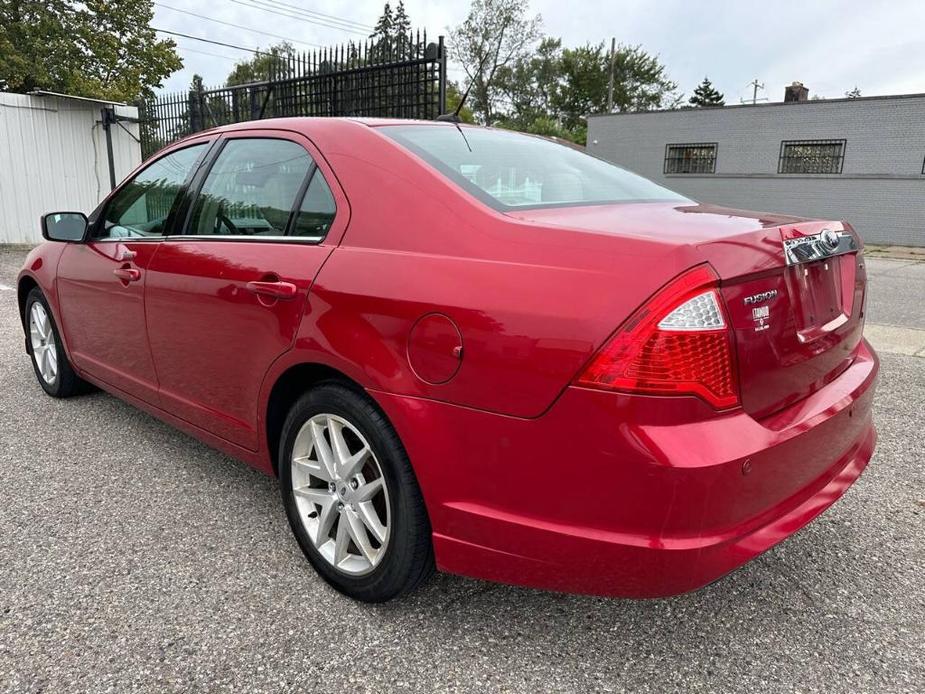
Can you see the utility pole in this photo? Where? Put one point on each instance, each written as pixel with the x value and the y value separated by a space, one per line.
pixel 613 50
pixel 756 85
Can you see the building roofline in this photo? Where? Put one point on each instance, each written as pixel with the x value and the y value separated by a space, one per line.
pixel 814 102
pixel 58 95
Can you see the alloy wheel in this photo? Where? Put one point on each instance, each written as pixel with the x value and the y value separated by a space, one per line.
pixel 341 494
pixel 42 339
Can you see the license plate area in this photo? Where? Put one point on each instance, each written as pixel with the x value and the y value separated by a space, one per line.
pixel 821 295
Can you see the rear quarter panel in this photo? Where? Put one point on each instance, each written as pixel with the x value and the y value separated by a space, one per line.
pixel 531 302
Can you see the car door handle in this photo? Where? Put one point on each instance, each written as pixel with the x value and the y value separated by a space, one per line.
pixel 278 290
pixel 127 274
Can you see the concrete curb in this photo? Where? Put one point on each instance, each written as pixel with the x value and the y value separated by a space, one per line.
pixel 892 338
pixel 895 252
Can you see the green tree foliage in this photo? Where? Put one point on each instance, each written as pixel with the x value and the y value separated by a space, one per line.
pixel 401 30
pixel 392 32
pixel 706 95
pixel 523 80
pixel 383 30
pixel 93 48
pixel 551 90
pixel 495 35
pixel 529 86
pixel 401 22
pixel 269 63
pixel 640 82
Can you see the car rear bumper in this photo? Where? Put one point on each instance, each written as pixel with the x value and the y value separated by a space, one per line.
pixel 631 496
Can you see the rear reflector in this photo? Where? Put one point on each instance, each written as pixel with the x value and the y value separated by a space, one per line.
pixel 677 343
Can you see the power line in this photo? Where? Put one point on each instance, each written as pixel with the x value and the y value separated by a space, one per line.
pixel 320 15
pixel 291 12
pixel 237 26
pixel 252 4
pixel 187 49
pixel 217 43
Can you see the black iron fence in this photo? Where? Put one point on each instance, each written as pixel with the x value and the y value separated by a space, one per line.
pixel 402 78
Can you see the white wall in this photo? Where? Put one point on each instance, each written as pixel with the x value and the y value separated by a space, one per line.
pixel 53 157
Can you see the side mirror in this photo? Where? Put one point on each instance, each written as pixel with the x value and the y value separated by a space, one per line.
pixel 64 226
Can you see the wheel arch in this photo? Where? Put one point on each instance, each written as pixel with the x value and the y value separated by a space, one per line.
pixel 289 387
pixel 26 284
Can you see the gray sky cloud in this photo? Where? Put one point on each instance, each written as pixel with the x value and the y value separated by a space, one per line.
pixel 829 45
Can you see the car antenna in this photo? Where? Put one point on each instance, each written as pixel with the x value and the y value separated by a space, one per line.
pixel 454 116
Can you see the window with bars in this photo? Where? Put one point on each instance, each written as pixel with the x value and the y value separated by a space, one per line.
pixel 811 156
pixel 696 158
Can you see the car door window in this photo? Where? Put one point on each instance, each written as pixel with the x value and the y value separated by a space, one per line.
pixel 251 189
pixel 316 214
pixel 141 207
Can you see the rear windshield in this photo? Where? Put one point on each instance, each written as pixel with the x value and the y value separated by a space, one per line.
pixel 509 170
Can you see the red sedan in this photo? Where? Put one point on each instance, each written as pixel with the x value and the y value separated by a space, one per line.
pixel 471 349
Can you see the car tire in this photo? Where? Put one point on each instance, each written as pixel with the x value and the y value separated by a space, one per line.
pixel 387 549
pixel 49 359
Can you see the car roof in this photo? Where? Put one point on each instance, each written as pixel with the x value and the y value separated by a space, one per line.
pixel 299 122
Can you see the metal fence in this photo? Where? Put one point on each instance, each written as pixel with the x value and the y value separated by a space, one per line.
pixel 401 78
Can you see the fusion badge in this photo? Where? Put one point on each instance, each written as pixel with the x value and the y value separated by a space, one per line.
pixel 761 297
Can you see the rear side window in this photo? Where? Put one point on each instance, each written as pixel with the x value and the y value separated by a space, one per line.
pixel 316 214
pixel 251 189
pixel 509 170
pixel 141 207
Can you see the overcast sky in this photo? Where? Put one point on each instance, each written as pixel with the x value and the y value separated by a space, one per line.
pixel 878 45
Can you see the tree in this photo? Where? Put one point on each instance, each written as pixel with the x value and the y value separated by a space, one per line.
pixel 640 82
pixel 854 93
pixel 391 36
pixel 95 48
pixel 706 95
pixel 585 72
pixel 401 29
pixel 269 63
pixel 551 90
pixel 494 35
pixel 382 34
pixel 530 85
pixel 383 30
pixel 35 49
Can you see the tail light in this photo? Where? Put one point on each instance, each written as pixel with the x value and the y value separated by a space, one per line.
pixel 679 342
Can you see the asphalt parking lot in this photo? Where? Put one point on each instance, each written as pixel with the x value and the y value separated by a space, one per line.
pixel 133 558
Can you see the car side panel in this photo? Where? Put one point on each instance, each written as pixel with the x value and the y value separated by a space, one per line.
pixel 105 316
pixel 213 341
pixel 531 303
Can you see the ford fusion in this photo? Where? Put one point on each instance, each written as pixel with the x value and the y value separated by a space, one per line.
pixel 471 350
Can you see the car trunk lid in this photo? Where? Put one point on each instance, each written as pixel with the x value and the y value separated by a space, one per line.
pixel 793 288
pixel 797 326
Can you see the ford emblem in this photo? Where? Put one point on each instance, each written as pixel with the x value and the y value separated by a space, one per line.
pixel 829 239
